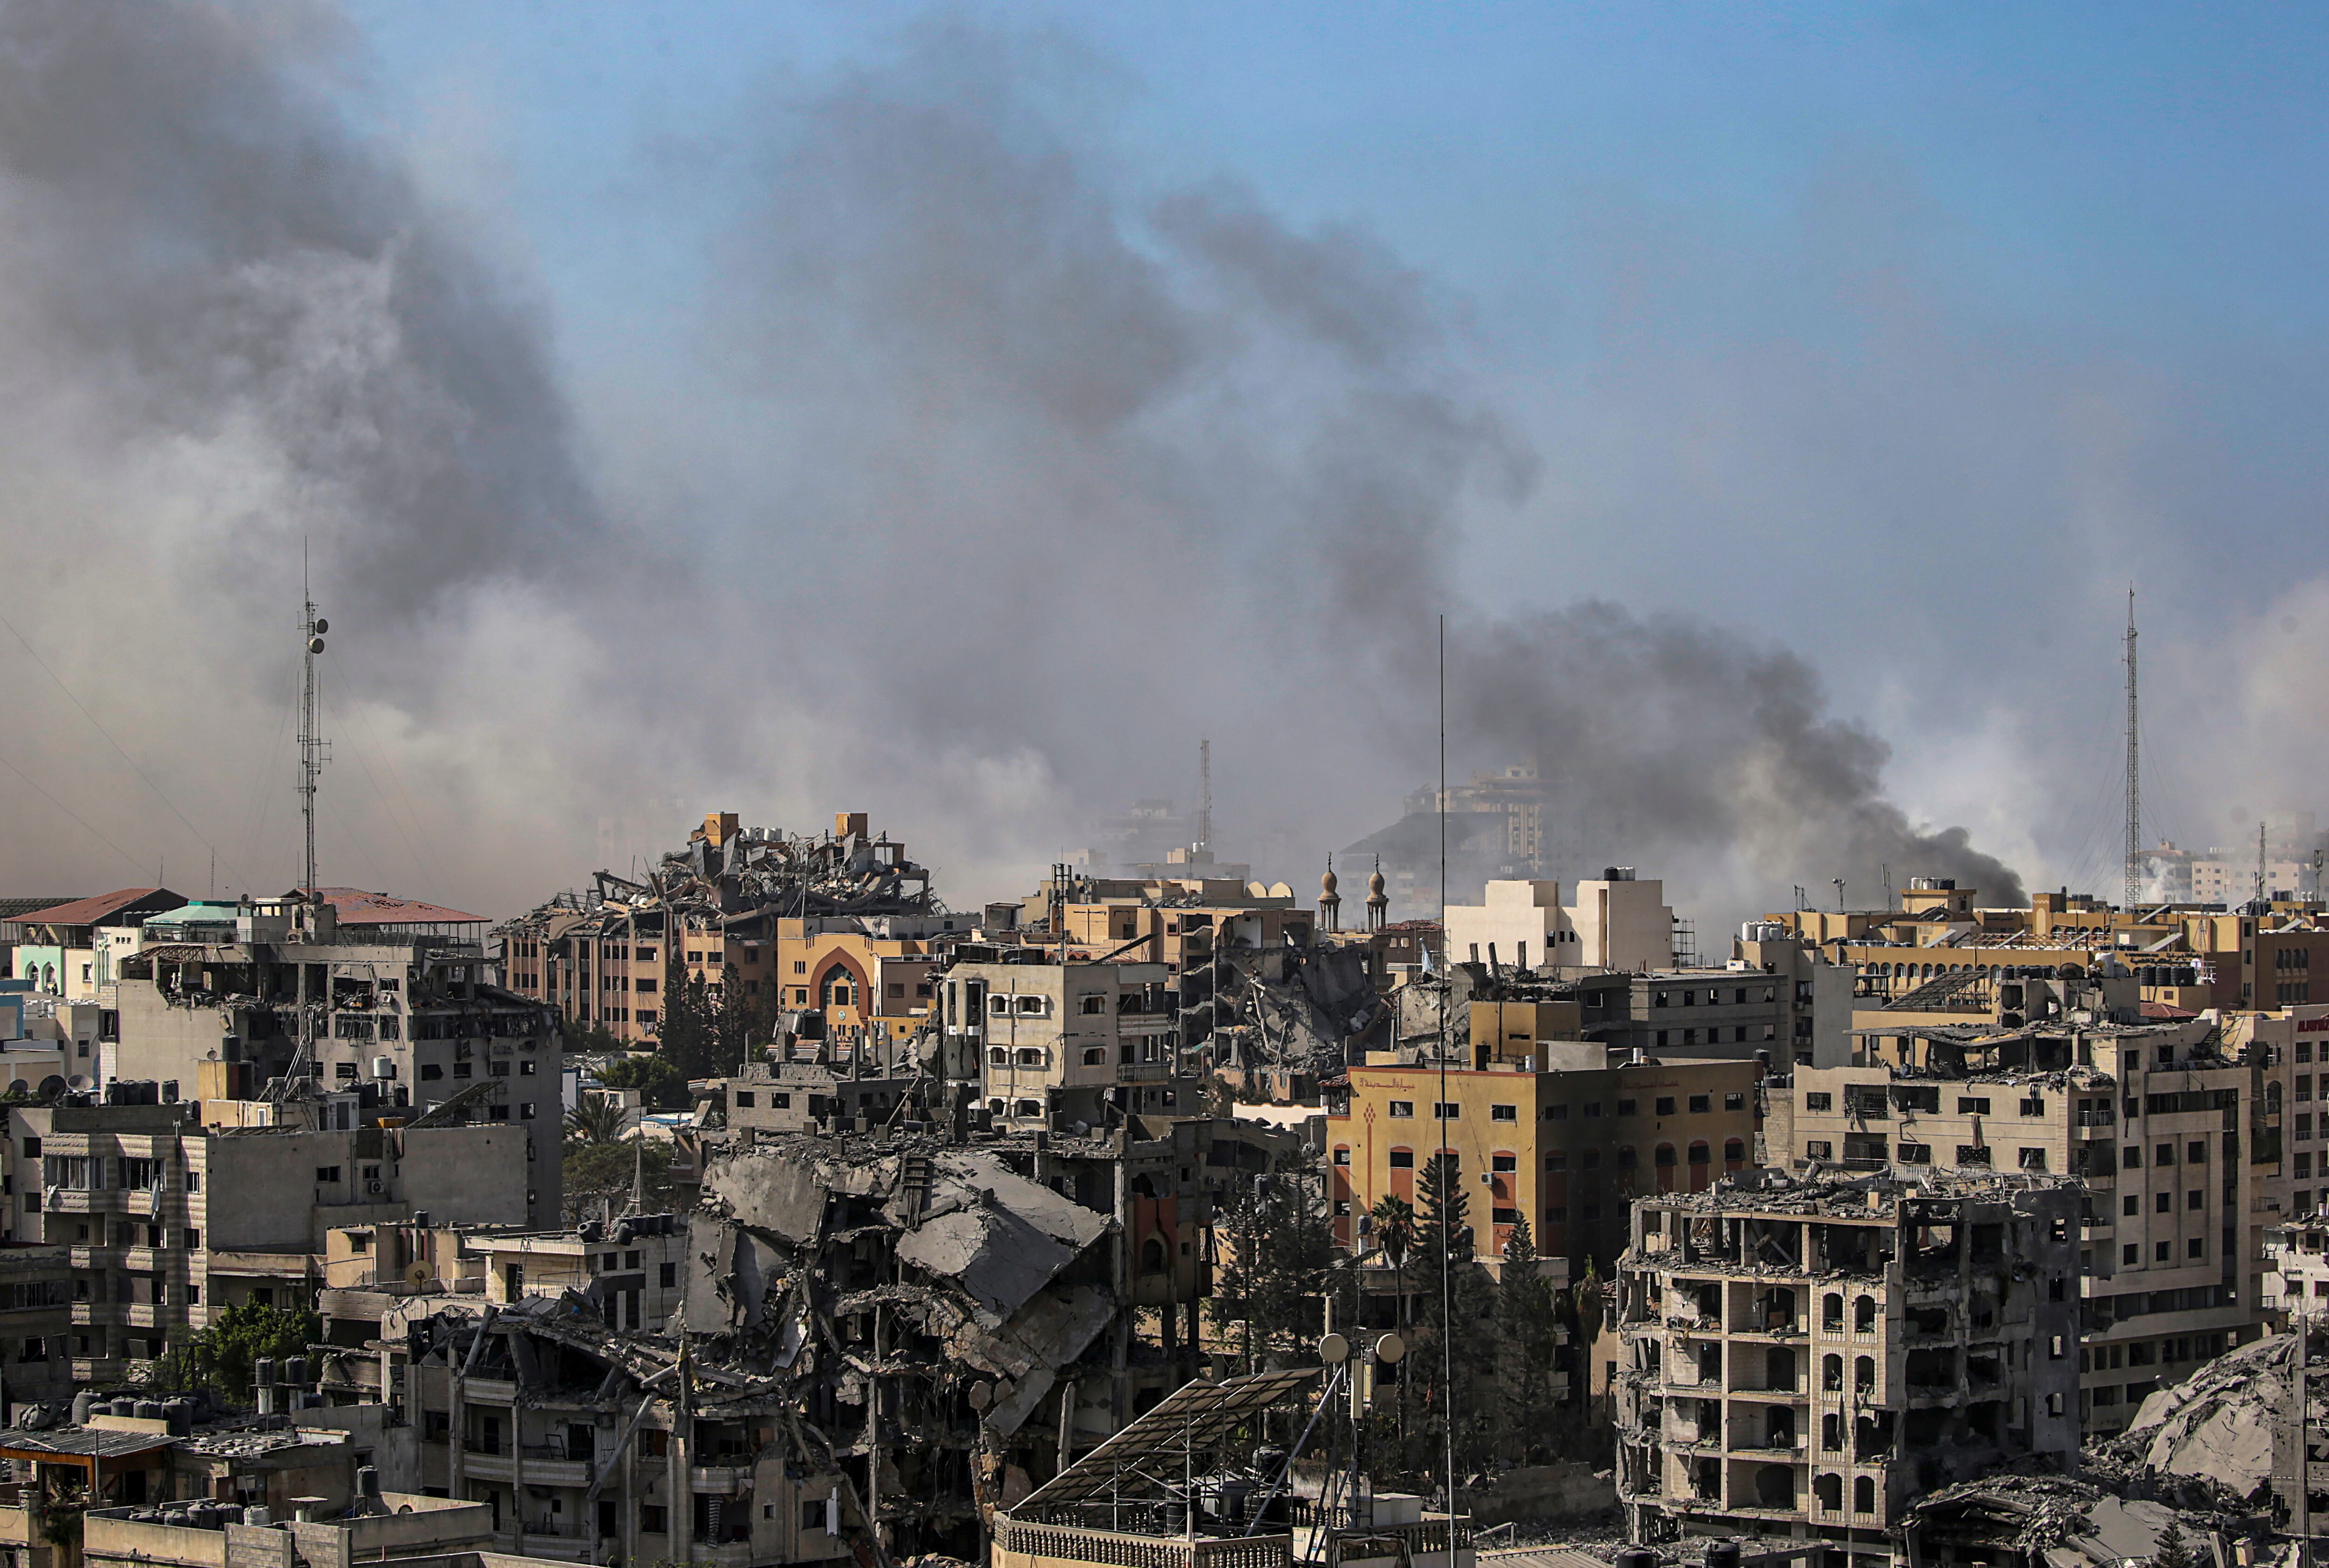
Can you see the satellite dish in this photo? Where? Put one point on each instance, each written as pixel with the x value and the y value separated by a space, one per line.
pixel 1390 1349
pixel 1334 1350
pixel 315 645
pixel 322 625
pixel 981 1394
pixel 417 1275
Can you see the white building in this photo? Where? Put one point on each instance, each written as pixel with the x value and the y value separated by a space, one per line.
pixel 1616 922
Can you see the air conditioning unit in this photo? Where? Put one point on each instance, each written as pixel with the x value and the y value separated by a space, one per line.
pixel 373 1188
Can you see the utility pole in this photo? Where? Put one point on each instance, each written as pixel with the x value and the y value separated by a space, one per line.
pixel 1839 893
pixel 2134 770
pixel 314 751
pixel 1205 788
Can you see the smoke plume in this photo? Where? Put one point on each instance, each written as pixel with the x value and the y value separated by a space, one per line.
pixel 982 485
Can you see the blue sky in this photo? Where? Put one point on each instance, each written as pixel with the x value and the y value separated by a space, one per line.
pixel 827 343
pixel 1906 335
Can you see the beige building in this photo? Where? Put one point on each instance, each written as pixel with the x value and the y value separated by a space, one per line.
pixel 2155 1120
pixel 163 1220
pixel 402 1022
pixel 1617 922
pixel 1075 1041
pixel 1568 1143
pixel 1803 1360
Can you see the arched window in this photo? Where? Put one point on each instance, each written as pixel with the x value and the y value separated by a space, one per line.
pixel 1832 1433
pixel 1734 1151
pixel 1628 1159
pixel 1832 1373
pixel 997 1057
pixel 1666 1156
pixel 1832 1310
pixel 1152 1256
pixel 1828 1487
pixel 1095 1056
pixel 1863 1375
pixel 1863 1494
pixel 1700 1154
pixel 1863 1314
pixel 838 989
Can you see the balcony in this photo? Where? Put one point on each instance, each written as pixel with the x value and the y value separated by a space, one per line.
pixel 547 1465
pixel 1018 1546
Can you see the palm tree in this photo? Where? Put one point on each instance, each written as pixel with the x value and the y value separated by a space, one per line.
pixel 597 1120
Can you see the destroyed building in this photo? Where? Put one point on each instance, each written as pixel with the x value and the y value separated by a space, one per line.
pixel 731 898
pixel 331 1027
pixel 2156 1121
pixel 1804 1359
pixel 159 1219
pixel 905 1329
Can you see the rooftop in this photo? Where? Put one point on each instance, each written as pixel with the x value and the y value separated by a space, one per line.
pixel 356 908
pixel 89 911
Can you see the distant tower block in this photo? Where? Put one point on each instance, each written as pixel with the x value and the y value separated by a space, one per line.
pixel 1330 902
pixel 1378 901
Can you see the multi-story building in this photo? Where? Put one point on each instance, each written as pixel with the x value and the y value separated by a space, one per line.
pixel 1568 1143
pixel 1072 1042
pixel 397 1026
pixel 163 1219
pixel 2157 1123
pixel 1803 1359
pixel 59 949
pixel 727 904
pixel 1617 922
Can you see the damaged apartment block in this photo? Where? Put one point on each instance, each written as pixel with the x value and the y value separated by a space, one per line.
pixel 1803 1359
pixel 879 1341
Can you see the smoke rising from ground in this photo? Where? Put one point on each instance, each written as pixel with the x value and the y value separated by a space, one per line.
pixel 981 489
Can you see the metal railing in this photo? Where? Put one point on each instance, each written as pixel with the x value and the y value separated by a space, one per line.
pixel 1069 1543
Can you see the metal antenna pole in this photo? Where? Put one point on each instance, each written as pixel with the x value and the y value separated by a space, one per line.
pixel 1205 785
pixel 2134 770
pixel 1439 1120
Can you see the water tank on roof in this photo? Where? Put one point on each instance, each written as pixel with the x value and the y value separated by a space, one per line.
pixel 295 1372
pixel 124 1407
pixel 148 1410
pixel 84 1405
pixel 262 1372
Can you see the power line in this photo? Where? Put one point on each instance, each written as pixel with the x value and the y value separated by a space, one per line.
pixel 68 811
pixel 429 880
pixel 100 729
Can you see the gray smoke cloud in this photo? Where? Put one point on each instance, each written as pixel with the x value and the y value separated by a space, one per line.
pixel 986 484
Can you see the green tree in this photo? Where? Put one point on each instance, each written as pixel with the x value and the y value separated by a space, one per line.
pixel 225 1355
pixel 1395 1233
pixel 1457 1295
pixel 1527 1336
pixel 742 1021
pixel 1274 1264
pixel 597 1120
pixel 2171 1551
pixel 590 1040
pixel 661 1085
pixel 601 1175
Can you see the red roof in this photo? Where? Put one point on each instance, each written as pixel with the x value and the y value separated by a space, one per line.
pixel 90 911
pixel 355 906
pixel 2160 1010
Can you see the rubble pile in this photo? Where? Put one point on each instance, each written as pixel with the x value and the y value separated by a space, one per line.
pixel 2215 1427
pixel 2061 1523
pixel 759 868
pixel 1313 1012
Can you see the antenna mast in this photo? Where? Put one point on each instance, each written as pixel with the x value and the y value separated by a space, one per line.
pixel 2134 770
pixel 314 750
pixel 1205 809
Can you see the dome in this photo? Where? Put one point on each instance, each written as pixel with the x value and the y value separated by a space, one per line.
pixel 1327 883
